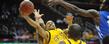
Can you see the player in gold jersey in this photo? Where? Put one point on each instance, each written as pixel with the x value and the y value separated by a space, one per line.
pixel 75 34
pixel 74 31
pixel 53 35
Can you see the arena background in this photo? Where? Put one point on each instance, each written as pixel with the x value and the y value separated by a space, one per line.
pixel 10 20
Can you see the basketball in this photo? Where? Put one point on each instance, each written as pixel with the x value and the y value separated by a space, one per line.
pixel 26 7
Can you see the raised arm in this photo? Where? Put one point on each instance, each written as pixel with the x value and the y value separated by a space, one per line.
pixel 91 13
pixel 70 7
pixel 38 17
pixel 36 25
pixel 66 5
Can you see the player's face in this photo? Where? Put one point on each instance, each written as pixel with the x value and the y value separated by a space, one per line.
pixel 50 25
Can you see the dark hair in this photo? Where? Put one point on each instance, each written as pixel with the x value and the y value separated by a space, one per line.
pixel 106 40
pixel 75 31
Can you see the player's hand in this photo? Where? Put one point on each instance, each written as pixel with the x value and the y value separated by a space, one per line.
pixel 37 14
pixel 54 2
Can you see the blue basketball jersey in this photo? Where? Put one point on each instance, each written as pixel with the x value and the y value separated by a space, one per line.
pixel 104 22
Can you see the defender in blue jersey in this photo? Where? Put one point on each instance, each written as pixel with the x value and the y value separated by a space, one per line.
pixel 104 22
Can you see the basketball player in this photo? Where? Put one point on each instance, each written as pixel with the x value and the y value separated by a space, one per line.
pixel 53 35
pixel 41 22
pixel 75 34
pixel 49 25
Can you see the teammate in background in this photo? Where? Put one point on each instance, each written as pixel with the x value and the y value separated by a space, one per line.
pixel 74 31
pixel 75 34
pixel 69 20
pixel 42 24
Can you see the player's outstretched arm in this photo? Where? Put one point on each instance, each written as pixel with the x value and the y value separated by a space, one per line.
pixel 71 8
pixel 38 17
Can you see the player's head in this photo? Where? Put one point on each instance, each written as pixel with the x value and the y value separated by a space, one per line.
pixel 50 25
pixel 75 31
